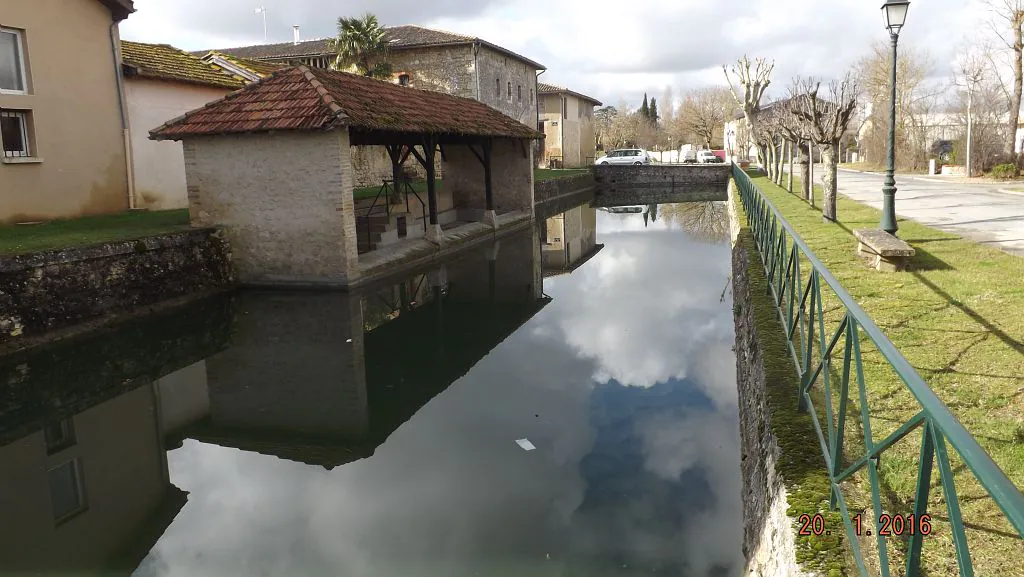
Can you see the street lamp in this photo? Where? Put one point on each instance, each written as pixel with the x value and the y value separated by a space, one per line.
pixel 895 12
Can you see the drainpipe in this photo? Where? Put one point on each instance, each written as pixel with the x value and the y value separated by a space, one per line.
pixel 115 45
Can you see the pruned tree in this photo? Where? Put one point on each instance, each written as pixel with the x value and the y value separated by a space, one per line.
pixel 1008 24
pixel 825 120
pixel 752 80
pixel 705 111
pixel 980 104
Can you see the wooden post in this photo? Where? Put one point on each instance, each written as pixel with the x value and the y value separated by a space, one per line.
pixel 429 150
pixel 488 188
pixel 395 153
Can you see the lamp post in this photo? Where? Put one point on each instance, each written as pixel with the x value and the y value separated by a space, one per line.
pixel 730 137
pixel 895 12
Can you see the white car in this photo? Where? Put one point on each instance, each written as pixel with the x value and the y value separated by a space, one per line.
pixel 707 157
pixel 636 156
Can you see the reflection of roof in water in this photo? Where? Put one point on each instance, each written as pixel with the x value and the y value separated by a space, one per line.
pixel 558 271
pixel 437 344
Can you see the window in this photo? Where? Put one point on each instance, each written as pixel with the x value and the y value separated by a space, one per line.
pixel 509 95
pixel 14 133
pixel 565 109
pixel 497 86
pixel 519 92
pixel 12 62
pixel 403 79
pixel 531 96
pixel 59 436
pixel 66 491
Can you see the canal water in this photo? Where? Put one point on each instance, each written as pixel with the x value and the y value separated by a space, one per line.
pixel 560 403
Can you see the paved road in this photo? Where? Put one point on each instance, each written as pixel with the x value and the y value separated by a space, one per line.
pixel 976 211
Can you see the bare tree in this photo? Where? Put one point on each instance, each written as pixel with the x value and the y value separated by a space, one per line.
pixel 981 105
pixel 826 120
pixel 705 111
pixel 752 79
pixel 1008 21
pixel 703 221
pixel 668 107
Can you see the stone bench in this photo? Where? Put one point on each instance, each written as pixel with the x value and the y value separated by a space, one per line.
pixel 887 252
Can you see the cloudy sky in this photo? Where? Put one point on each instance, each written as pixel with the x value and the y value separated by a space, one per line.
pixel 612 50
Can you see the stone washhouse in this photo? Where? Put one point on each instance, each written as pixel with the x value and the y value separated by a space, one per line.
pixel 270 166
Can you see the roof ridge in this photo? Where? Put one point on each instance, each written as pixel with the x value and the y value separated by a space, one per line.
pixel 433 30
pixel 325 96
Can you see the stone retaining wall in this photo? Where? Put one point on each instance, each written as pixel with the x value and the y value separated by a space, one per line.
pixel 769 541
pixel 663 175
pixel 44 291
pixel 553 188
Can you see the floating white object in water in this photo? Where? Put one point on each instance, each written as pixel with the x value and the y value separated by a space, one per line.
pixel 525 444
pixel 348 340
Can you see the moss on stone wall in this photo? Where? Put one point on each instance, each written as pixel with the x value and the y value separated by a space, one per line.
pixel 800 462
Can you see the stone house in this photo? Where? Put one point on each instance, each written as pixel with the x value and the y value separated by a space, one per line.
pixel 63 124
pixel 163 82
pixel 567 121
pixel 269 165
pixel 420 57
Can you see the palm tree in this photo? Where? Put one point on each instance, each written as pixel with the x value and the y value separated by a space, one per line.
pixel 362 44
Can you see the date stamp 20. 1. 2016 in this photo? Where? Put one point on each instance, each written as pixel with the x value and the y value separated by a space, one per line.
pixel 888 525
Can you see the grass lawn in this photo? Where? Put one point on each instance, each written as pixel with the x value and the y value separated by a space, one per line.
pixel 19 239
pixel 958 318
pixel 539 175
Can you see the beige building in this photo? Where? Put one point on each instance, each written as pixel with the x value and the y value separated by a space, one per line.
pixel 162 82
pixel 567 121
pixel 63 125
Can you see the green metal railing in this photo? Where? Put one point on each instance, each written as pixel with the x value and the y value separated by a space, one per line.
pixel 798 298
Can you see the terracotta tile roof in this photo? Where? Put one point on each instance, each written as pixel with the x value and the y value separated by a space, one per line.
pixel 400 37
pixel 119 8
pixel 257 67
pixel 164 62
pixel 301 98
pixel 552 89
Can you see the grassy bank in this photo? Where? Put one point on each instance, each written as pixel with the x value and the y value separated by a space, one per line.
pixel 25 238
pixel 539 175
pixel 958 317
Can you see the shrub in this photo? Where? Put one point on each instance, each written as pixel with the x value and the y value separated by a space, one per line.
pixel 1004 171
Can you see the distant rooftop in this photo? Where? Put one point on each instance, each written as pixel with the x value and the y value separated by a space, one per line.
pixel 400 37
pixel 553 89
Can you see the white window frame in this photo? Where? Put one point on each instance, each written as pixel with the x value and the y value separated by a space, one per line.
pixel 83 503
pixel 26 151
pixel 19 45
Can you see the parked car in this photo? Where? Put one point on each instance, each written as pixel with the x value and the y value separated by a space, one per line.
pixel 688 155
pixel 625 156
pixel 707 157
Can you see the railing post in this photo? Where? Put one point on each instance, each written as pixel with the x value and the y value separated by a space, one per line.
pixel 924 482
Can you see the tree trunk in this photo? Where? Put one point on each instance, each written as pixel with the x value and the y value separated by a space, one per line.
pixel 810 172
pixel 1018 86
pixel 830 158
pixel 791 147
pixel 805 172
pixel 779 163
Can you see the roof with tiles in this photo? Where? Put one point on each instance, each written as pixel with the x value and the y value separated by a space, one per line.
pixel 552 89
pixel 257 67
pixel 165 62
pixel 400 38
pixel 301 98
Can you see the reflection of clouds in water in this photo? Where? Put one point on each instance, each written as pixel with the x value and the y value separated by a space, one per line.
pixel 641 318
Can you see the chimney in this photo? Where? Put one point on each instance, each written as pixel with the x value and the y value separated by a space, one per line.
pixel 295 34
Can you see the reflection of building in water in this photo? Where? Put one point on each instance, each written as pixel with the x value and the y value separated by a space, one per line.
pixel 325 378
pixel 84 483
pixel 569 240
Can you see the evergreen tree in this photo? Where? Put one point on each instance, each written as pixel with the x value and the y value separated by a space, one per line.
pixel 645 110
pixel 653 112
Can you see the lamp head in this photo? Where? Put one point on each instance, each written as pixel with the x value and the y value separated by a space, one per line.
pixel 895 13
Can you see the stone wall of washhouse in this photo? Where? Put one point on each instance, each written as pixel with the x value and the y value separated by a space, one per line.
pixel 511 178
pixel 283 201
pixel 447 69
